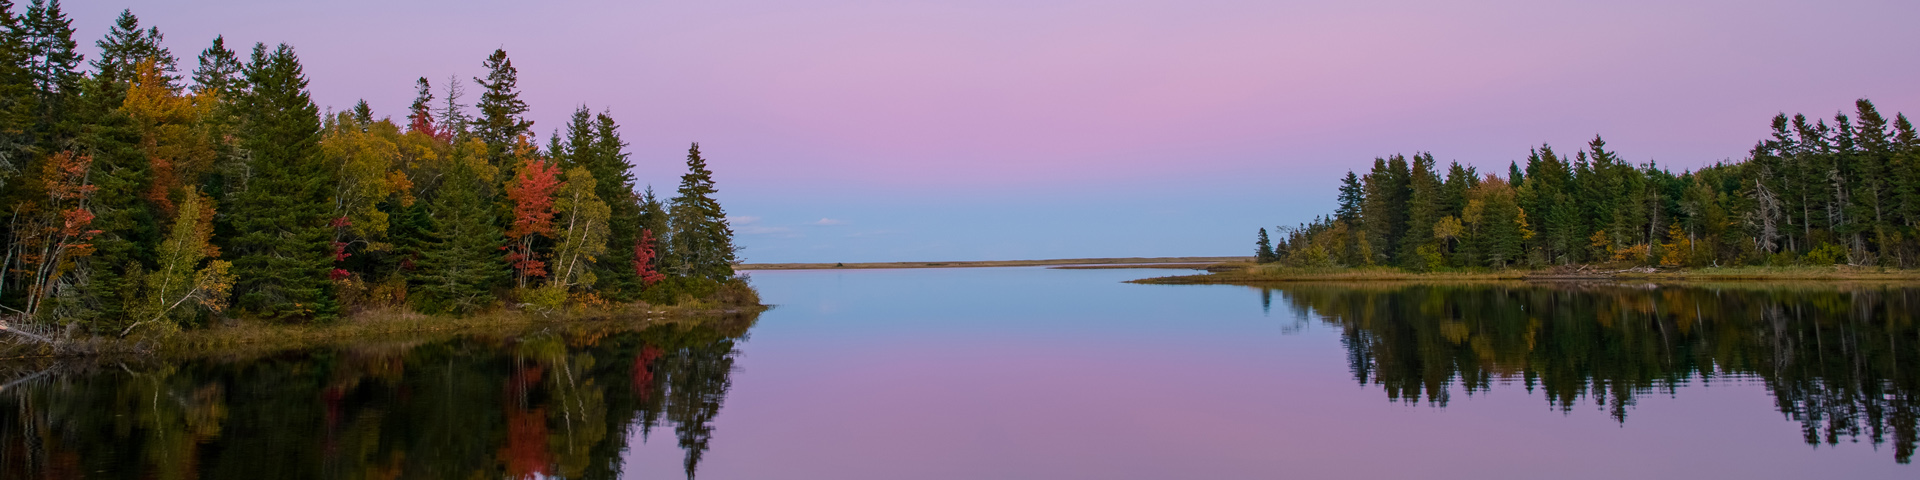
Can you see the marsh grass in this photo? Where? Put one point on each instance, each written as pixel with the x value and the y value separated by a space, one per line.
pixel 253 337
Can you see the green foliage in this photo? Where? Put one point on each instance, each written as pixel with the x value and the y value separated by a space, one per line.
pixel 460 263
pixel 282 245
pixel 1263 248
pixel 501 119
pixel 702 242
pixel 1850 184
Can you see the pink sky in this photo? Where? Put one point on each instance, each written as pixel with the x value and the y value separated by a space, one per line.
pixel 947 100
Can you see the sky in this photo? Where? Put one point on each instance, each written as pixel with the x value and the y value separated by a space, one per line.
pixel 867 130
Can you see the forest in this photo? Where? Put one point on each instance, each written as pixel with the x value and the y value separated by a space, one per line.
pixel 139 195
pixel 1817 192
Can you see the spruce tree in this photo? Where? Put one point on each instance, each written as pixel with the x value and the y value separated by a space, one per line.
pixel 281 244
pixel 126 46
pixel 17 101
pixel 1423 210
pixel 420 112
pixel 219 70
pixel 1352 196
pixel 702 241
pixel 54 66
pixel 459 263
pixel 654 221
pixel 593 142
pixel 501 110
pixel 1263 248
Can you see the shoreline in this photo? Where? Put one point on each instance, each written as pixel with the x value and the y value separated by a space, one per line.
pixel 1254 276
pixel 1120 262
pixel 257 338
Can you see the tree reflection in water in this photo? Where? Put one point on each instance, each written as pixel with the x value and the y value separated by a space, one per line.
pixel 1839 358
pixel 553 403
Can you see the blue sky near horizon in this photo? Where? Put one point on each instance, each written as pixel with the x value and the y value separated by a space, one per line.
pixel 869 130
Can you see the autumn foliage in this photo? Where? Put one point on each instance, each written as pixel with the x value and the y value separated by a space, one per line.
pixel 643 256
pixel 531 194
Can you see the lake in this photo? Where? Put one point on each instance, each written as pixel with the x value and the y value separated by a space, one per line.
pixel 1014 373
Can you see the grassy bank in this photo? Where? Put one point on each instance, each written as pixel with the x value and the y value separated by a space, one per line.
pixel 1258 274
pixel 252 337
pixel 995 263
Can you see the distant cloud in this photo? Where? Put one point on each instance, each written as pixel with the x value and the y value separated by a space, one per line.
pixel 829 222
pixel 742 220
pixel 763 230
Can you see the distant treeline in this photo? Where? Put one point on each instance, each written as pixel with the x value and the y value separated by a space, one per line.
pixel 1815 193
pixel 138 195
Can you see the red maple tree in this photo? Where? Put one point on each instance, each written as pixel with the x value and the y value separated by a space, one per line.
pixel 643 253
pixel 531 192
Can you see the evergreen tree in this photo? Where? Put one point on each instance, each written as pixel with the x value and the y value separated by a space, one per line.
pixel 126 46
pixel 1383 215
pixel 1423 209
pixel 702 241
pixel 419 113
pixel 654 219
pixel 593 142
pixel 459 264
pixel 281 246
pixel 17 101
pixel 54 66
pixel 1352 197
pixel 219 70
pixel 501 110
pixel 1263 248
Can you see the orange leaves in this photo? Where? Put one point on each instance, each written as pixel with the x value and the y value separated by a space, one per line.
pixel 531 193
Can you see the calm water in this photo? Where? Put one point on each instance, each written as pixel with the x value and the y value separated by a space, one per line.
pixel 1046 374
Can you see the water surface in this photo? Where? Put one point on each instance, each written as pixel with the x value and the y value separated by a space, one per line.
pixel 1038 373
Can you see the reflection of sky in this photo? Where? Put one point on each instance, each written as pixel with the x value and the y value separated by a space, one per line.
pixel 1004 129
pixel 1056 374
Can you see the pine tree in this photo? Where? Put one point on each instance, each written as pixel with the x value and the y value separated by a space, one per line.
pixel 654 218
pixel 1423 209
pixel 219 70
pixel 459 265
pixel 126 46
pixel 1352 197
pixel 54 66
pixel 702 241
pixel 501 110
pixel 281 247
pixel 593 142
pixel 1383 216
pixel 1263 248
pixel 419 113
pixel 17 102
pixel 1499 226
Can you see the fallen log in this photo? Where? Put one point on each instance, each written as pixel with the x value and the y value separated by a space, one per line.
pixel 5 328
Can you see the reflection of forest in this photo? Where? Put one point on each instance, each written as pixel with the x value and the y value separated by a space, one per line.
pixel 1840 359
pixel 557 403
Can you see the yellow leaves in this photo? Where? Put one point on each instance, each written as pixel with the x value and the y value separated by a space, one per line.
pixel 172 135
pixel 1448 228
pixel 215 283
pixel 1526 231
pixel 364 156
